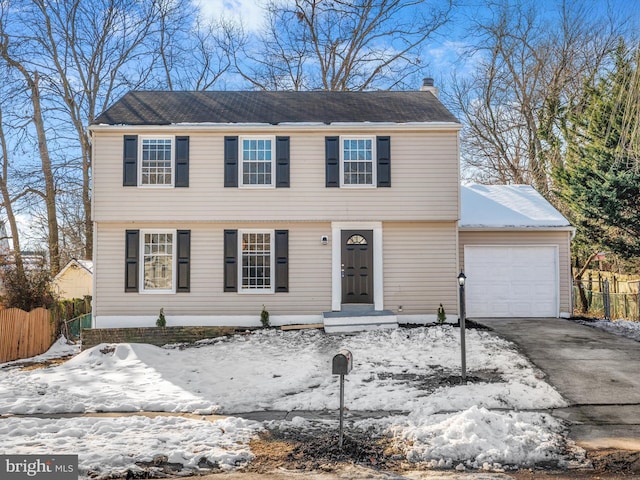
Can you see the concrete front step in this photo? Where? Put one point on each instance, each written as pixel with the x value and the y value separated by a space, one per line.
pixel 349 321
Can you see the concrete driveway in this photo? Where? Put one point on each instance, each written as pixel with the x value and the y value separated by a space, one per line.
pixel 598 373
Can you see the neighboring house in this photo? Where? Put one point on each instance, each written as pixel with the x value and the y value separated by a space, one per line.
pixel 212 205
pixel 75 280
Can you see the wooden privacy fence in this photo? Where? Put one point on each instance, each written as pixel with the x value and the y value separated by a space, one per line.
pixel 25 334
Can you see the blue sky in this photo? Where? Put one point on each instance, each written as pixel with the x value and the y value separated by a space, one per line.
pixel 443 54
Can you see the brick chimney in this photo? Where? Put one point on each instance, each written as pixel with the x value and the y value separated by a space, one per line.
pixel 427 86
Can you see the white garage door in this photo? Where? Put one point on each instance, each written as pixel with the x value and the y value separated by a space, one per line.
pixel 511 281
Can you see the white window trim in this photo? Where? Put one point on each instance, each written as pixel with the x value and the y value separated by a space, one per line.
pixel 173 160
pixel 336 262
pixel 241 160
pixel 257 291
pixel 374 161
pixel 173 262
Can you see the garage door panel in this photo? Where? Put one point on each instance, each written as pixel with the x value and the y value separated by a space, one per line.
pixel 511 281
pixel 520 291
pixel 520 309
pixel 546 290
pixel 500 307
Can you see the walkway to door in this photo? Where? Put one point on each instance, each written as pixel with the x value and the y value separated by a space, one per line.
pixel 595 371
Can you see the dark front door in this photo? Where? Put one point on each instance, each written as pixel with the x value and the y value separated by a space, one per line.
pixel 357 266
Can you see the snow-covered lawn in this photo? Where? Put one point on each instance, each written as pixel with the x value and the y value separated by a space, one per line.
pixel 624 328
pixel 446 424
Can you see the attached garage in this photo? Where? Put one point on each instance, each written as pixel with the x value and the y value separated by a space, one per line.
pixel 512 280
pixel 515 253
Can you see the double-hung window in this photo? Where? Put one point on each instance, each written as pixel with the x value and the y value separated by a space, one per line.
pixel 156 161
pixel 256 261
pixel 358 161
pixel 257 156
pixel 256 267
pixel 158 261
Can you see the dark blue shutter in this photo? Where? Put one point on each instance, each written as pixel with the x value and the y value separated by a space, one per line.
pixel 332 161
pixel 282 260
pixel 130 161
pixel 230 161
pixel 282 162
pixel 132 260
pixel 230 260
pixel 182 162
pixel 184 261
pixel 383 152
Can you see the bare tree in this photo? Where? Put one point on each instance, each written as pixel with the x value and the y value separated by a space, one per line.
pixel 190 53
pixel 77 55
pixel 88 47
pixel 32 81
pixel 338 44
pixel 8 201
pixel 630 134
pixel 530 65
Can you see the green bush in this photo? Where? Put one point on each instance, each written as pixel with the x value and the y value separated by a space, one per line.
pixel 442 316
pixel 161 321
pixel 264 318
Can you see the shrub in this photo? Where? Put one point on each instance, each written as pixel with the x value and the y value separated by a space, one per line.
pixel 28 291
pixel 161 321
pixel 264 317
pixel 442 316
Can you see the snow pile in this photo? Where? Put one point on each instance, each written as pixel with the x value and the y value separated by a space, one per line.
pixel 60 349
pixel 122 378
pixel 111 446
pixel 624 328
pixel 478 438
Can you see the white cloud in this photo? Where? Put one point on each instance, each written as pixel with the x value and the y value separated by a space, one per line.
pixel 249 12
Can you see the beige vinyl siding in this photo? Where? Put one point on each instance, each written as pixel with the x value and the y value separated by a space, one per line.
pixel 309 274
pixel 424 182
pixel 532 237
pixel 420 267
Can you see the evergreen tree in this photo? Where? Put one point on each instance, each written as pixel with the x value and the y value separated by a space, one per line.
pixel 599 180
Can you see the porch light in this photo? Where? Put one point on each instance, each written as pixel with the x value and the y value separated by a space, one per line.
pixel 461 279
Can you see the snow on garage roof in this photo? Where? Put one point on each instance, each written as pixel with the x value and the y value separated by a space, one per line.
pixel 507 206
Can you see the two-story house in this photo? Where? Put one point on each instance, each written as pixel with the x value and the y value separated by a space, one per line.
pixel 215 205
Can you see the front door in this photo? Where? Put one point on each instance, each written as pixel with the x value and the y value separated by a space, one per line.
pixel 357 266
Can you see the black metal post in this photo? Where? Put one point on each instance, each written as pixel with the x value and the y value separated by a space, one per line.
pixel 463 347
pixel 341 410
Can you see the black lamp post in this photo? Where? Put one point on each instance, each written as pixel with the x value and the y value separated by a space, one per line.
pixel 461 280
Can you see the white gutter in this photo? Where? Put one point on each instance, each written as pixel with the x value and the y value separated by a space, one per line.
pixel 303 126
pixel 538 228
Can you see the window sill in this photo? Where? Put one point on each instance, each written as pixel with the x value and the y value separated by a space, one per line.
pixel 257 292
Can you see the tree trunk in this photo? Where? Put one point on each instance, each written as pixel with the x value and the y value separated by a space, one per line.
pixel 86 198
pixel 38 122
pixel 578 282
pixel 8 205
pixel 49 182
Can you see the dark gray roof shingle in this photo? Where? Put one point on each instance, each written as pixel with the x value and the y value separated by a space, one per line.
pixel 166 108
